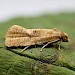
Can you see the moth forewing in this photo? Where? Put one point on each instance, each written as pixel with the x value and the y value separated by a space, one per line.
pixel 20 36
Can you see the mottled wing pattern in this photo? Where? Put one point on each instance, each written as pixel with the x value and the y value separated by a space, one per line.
pixel 20 36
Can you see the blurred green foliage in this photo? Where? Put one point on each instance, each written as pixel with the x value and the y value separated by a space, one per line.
pixel 32 61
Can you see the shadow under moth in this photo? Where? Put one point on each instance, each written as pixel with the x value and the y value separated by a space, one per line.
pixel 19 36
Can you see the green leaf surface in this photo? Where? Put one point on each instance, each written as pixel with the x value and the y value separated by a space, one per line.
pixel 32 61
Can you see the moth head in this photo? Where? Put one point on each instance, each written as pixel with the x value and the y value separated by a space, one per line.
pixel 64 37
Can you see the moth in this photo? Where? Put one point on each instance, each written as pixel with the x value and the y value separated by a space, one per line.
pixel 19 36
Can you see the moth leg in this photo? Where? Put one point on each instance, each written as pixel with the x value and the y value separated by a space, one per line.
pixel 59 45
pixel 25 48
pixel 45 45
pixel 51 42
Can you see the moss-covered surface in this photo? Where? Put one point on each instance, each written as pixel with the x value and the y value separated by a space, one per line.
pixel 34 62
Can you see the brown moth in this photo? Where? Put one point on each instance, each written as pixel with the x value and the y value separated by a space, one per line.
pixel 20 36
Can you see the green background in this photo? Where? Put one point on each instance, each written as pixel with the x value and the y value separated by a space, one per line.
pixel 32 61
